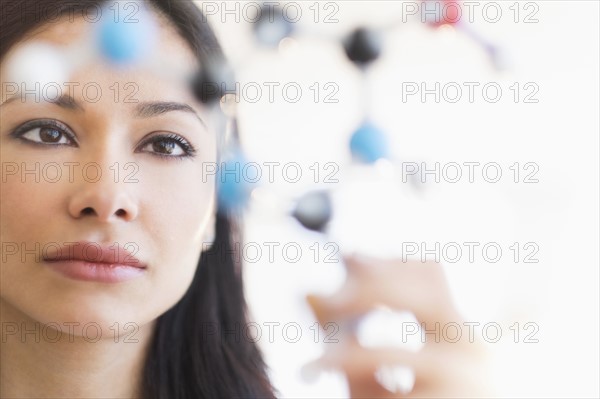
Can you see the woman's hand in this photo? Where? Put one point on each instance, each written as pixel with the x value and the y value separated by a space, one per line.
pixel 450 367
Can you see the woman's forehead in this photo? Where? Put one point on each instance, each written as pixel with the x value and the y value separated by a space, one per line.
pixel 125 86
pixel 72 32
pixel 169 52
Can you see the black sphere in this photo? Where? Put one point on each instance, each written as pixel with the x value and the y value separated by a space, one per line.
pixel 212 82
pixel 313 210
pixel 363 46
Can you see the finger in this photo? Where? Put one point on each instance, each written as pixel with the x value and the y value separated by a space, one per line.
pixel 360 264
pixel 344 311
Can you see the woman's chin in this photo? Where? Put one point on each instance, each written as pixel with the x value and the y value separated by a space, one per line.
pixel 90 323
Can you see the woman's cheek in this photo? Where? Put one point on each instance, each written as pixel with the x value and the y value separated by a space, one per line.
pixel 177 256
pixel 178 212
pixel 183 197
pixel 26 204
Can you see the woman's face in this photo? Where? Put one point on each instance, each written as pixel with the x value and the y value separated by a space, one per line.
pixel 154 198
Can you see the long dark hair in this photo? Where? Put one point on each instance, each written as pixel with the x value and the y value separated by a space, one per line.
pixel 199 349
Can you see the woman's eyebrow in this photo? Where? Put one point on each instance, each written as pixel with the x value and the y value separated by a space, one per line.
pixel 64 101
pixel 150 109
pixel 142 110
pixel 68 102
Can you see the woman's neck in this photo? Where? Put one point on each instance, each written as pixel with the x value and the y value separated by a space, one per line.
pixel 39 362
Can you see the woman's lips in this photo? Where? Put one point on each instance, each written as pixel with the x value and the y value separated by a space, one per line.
pixel 95 271
pixel 88 261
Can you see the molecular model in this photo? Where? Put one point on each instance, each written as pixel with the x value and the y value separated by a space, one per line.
pixel 122 43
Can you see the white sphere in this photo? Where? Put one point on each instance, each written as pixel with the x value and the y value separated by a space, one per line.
pixel 38 66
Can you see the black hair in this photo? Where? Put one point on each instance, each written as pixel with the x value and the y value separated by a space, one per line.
pixel 198 349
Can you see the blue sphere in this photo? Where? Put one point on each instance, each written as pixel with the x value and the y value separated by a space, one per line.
pixel 125 40
pixel 272 26
pixel 369 143
pixel 234 183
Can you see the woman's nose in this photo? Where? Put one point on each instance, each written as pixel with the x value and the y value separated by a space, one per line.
pixel 105 200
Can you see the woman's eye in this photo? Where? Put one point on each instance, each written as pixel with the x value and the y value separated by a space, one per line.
pixel 47 134
pixel 170 146
pixel 166 147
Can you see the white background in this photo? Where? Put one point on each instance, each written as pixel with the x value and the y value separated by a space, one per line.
pixel 559 133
